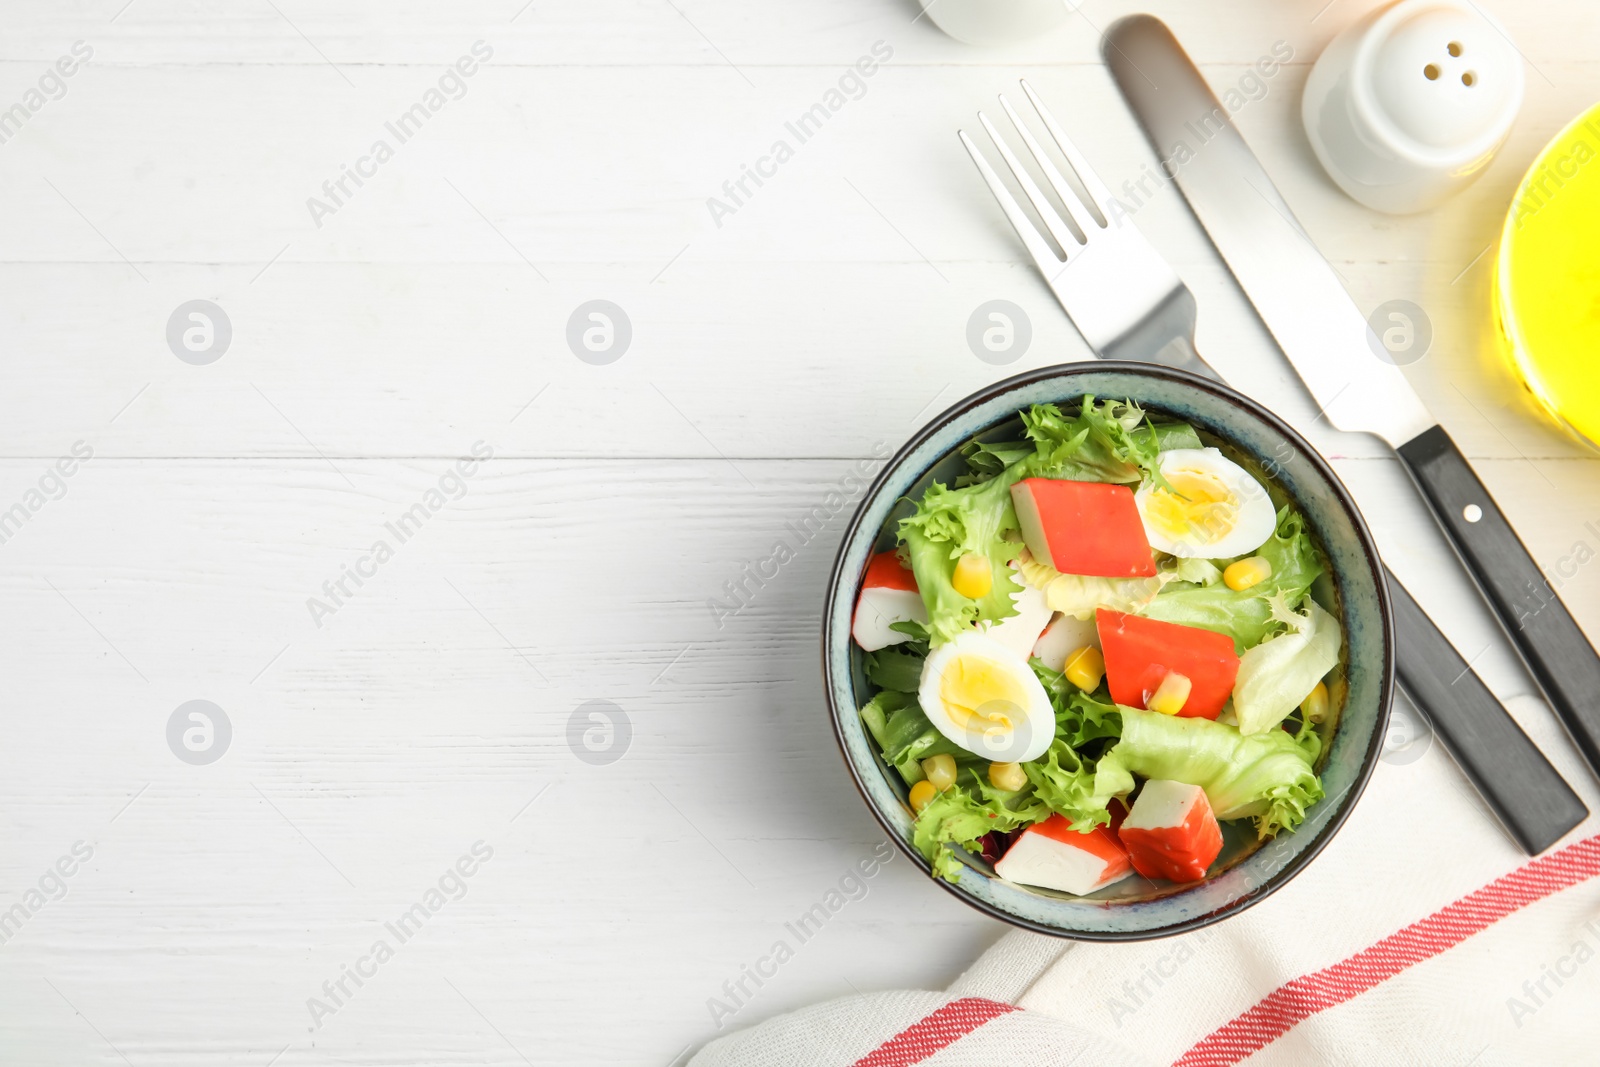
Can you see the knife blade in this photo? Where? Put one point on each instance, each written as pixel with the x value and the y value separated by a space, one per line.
pixel 1305 306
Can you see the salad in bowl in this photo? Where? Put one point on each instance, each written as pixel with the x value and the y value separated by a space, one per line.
pixel 1103 652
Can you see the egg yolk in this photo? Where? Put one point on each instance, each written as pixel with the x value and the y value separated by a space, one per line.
pixel 981 696
pixel 1200 505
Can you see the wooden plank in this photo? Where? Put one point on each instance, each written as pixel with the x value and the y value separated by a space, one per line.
pixel 425 713
pixel 711 33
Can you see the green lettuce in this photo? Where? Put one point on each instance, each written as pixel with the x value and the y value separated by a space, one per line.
pixel 1267 776
pixel 956 817
pixel 904 734
pixel 1105 442
pixel 1280 672
pixel 1080 718
pixel 1171 436
pixel 896 667
pixel 986 459
pixel 1072 787
pixel 949 524
pixel 1246 615
pixel 875 714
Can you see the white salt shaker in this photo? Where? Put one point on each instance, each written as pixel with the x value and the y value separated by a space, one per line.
pixel 1409 105
pixel 989 22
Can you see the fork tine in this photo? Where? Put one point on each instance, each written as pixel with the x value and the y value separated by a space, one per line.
pixel 1048 213
pixel 1040 248
pixel 1086 174
pixel 1082 215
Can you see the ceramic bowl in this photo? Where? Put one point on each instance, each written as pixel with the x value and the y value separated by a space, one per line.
pixel 1134 909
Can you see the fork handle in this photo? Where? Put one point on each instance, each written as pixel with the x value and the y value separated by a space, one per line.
pixel 1528 795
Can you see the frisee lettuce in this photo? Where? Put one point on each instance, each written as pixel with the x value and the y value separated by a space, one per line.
pixel 956 817
pixel 1105 442
pixel 1077 788
pixel 1080 718
pixel 985 459
pixel 1246 615
pixel 1267 777
pixel 949 524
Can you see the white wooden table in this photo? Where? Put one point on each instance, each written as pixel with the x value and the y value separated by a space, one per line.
pixel 378 339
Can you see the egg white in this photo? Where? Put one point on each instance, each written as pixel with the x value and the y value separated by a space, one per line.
pixel 1236 525
pixel 1009 720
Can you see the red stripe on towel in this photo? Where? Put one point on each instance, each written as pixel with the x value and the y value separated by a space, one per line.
pixel 933 1032
pixel 1305 996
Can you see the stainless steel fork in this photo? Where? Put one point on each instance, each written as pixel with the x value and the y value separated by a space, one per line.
pixel 1129 303
pixel 1124 298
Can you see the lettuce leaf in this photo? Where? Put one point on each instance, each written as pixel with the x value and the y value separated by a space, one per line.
pixel 1105 442
pixel 875 714
pixel 1175 435
pixel 904 734
pixel 1280 672
pixel 896 667
pixel 956 817
pixel 985 459
pixel 1071 787
pixel 1080 595
pixel 1246 615
pixel 1194 571
pixel 916 631
pixel 949 524
pixel 1265 776
pixel 1080 718
pixel 1062 782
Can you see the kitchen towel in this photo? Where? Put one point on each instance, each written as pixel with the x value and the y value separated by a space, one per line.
pixel 1421 935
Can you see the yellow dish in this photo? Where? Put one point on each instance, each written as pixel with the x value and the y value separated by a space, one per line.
pixel 1547 281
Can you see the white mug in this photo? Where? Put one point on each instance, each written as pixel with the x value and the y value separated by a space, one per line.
pixel 997 21
pixel 1409 104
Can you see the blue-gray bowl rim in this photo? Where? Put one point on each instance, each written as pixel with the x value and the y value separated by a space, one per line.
pixel 1364 538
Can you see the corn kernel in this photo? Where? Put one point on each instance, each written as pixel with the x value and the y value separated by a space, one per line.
pixel 1315 705
pixel 922 795
pixel 1007 776
pixel 973 577
pixel 941 771
pixel 1085 668
pixel 1247 572
pixel 1171 695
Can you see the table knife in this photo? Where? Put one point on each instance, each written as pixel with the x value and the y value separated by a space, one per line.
pixel 1300 297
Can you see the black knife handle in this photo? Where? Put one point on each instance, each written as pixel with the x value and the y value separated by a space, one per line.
pixel 1559 656
pixel 1528 795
